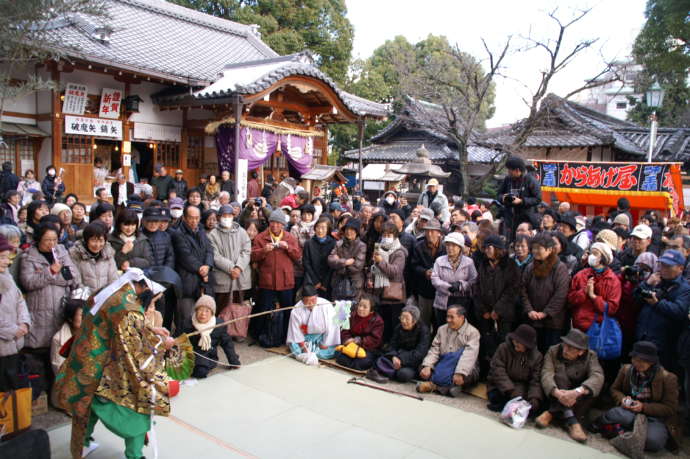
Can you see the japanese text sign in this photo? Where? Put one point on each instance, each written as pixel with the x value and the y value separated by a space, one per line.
pixel 96 127
pixel 75 99
pixel 110 103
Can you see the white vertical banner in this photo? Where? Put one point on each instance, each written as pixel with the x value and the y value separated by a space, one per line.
pixel 242 171
pixel 75 99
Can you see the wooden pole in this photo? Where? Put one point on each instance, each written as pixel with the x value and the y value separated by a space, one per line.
pixel 236 150
pixel 361 125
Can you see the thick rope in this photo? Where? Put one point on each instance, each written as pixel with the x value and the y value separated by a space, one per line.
pixel 227 322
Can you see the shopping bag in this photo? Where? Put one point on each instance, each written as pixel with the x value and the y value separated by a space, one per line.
pixel 606 338
pixel 515 412
pixel 15 411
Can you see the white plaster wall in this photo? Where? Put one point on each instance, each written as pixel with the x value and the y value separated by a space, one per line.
pixel 148 111
pixel 45 154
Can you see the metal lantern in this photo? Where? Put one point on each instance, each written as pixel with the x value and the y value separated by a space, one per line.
pixel 655 95
pixel 132 103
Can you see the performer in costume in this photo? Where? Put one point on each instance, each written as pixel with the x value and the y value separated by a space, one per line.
pixel 312 333
pixel 115 369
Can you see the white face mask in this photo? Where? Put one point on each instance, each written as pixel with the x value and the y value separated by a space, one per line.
pixel 226 222
pixel 386 241
pixel 390 200
pixel 318 208
pixel 176 213
pixel 593 260
pixel 51 172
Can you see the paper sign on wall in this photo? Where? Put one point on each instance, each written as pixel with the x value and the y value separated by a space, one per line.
pixel 96 127
pixel 110 103
pixel 127 160
pixel 241 176
pixel 75 99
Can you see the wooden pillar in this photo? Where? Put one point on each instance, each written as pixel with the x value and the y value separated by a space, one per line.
pixel 236 149
pixel 360 125
pixel 184 143
pixel 125 134
pixel 56 116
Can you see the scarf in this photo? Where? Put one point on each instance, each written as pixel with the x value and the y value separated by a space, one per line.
pixel 277 238
pixel 641 385
pixel 204 332
pixel 126 239
pixel 454 263
pixel 523 263
pixel 380 279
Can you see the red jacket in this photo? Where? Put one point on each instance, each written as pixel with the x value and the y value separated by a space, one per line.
pixel 276 271
pixel 369 330
pixel 608 290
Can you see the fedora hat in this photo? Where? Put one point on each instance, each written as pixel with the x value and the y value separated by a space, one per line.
pixel 576 338
pixel 524 335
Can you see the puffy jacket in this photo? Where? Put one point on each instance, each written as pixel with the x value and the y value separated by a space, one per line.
pixel 231 248
pixel 51 191
pixel 315 261
pixel 510 368
pixel 219 337
pixel 44 293
pixel 193 251
pixel 96 272
pixel 394 270
pixel 141 255
pixel 343 251
pixel 8 182
pixel 443 276
pixel 498 287
pixel 422 261
pixel 545 289
pixel 180 187
pixel 560 373
pixel 161 248
pixel 410 346
pixel 608 290
pixel 275 267
pixel 440 198
pixel 366 331
pixel 13 313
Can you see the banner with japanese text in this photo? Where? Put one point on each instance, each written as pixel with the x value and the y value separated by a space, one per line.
pixel 110 103
pixel 96 127
pixel 74 102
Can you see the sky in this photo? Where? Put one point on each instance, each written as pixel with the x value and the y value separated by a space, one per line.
pixel 615 22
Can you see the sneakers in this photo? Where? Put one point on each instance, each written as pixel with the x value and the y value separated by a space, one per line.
pixel 577 433
pixel 544 419
pixel 86 450
pixel 376 376
pixel 426 387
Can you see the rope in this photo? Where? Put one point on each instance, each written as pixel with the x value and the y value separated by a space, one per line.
pixel 229 365
pixel 250 316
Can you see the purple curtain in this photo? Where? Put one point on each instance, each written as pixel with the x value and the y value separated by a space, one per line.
pixel 258 145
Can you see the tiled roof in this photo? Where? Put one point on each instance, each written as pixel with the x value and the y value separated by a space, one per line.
pixel 159 38
pixel 406 151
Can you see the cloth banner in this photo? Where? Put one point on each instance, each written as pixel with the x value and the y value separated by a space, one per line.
pixel 258 145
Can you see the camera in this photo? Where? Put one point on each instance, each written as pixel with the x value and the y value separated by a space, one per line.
pixel 634 273
pixel 257 201
pixel 509 199
pixel 646 293
pixel 628 402
pixel 275 244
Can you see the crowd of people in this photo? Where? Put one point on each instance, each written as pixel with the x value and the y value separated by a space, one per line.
pixel 445 292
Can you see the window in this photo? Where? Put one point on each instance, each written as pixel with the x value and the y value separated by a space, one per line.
pixel 621 105
pixel 19 152
pixel 168 154
pixel 77 149
pixel 195 151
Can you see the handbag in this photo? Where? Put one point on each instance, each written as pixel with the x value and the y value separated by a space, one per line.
pixel 342 290
pixel 235 311
pixel 274 333
pixel 394 291
pixel 15 411
pixel 606 338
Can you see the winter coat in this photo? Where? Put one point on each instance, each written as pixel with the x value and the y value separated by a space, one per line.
pixel 141 255
pixel 366 331
pixel 510 368
pixel 96 272
pixel 51 191
pixel 231 248
pixel 8 182
pixel 44 293
pixel 546 291
pixel 559 373
pixel 663 403
pixel 315 261
pixel 219 337
pixel 13 313
pixel 162 186
pixel 275 267
pixel 394 270
pixel 661 323
pixel 180 187
pixel 443 275
pixel 343 251
pixel 497 288
pixel 449 340
pixel 302 233
pixel 422 261
pixel 424 200
pixel 193 251
pixel 161 248
pixel 608 290
pixel 410 346
pixel 526 188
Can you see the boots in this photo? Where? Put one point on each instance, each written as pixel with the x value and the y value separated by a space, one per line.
pixel 544 419
pixel 426 387
pixel 577 433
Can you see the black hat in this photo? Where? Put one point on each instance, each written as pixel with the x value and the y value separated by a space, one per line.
pixel 576 338
pixel 165 214
pixel 307 208
pixel 568 219
pixel 398 212
pixel 495 240
pixel 309 290
pixel 515 163
pixel 645 350
pixel 152 214
pixel 354 223
pixel 524 335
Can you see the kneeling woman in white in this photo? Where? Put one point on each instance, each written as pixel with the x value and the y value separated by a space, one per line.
pixel 312 334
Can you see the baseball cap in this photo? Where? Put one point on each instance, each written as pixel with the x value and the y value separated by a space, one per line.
pixel 433 182
pixel 672 258
pixel 642 231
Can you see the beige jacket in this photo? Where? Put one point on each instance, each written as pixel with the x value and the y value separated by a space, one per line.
pixel 448 340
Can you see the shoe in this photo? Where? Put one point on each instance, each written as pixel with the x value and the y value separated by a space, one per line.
pixel 495 407
pixel 86 450
pixel 544 419
pixel 426 387
pixel 455 391
pixel 376 376
pixel 577 433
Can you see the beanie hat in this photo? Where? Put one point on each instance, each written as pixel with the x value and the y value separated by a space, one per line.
pixel 206 301
pixel 622 219
pixel 609 237
pixel 413 310
pixel 605 251
pixel 58 208
pixel 225 209
pixel 277 216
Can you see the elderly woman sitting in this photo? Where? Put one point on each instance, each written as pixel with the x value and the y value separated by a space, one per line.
pixel 515 370
pixel 571 377
pixel 643 388
pixel 366 332
pixel 407 349
pixel 312 335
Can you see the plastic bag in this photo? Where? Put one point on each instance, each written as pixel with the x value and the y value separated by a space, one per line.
pixel 515 413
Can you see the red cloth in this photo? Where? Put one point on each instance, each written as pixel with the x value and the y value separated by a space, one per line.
pixel 629 310
pixel 608 290
pixel 368 329
pixel 290 200
pixel 276 271
pixel 253 189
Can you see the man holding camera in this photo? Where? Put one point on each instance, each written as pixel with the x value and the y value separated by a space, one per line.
pixel 664 298
pixel 520 193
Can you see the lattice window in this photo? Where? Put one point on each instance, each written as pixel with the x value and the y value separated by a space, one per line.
pixel 195 151
pixel 77 149
pixel 168 154
pixel 8 153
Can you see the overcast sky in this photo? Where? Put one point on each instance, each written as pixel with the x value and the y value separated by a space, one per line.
pixel 615 22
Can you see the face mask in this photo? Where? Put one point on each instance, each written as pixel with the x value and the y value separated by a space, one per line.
pixel 226 222
pixel 386 241
pixel 390 200
pixel 593 260
pixel 318 208
pixel 176 213
pixel 51 172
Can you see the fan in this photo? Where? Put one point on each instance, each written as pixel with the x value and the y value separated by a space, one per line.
pixel 179 360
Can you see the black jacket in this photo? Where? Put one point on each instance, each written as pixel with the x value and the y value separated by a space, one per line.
pixel 228 186
pixel 420 263
pixel 161 248
pixel 180 187
pixel 498 287
pixel 410 346
pixel 193 251
pixel 526 188
pixel 51 192
pixel 219 337
pixel 115 191
pixel 315 260
pixel 8 182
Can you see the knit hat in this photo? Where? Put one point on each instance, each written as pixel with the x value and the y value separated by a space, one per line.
pixel 524 335
pixel 605 250
pixel 277 216
pixel 225 209
pixel 622 219
pixel 59 208
pixel 354 223
pixel 413 310
pixel 309 290
pixel 647 258
pixel 569 220
pixel 609 237
pixel 4 245
pixel 577 339
pixel 495 240
pixel 455 238
pixel 176 203
pixel 206 301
